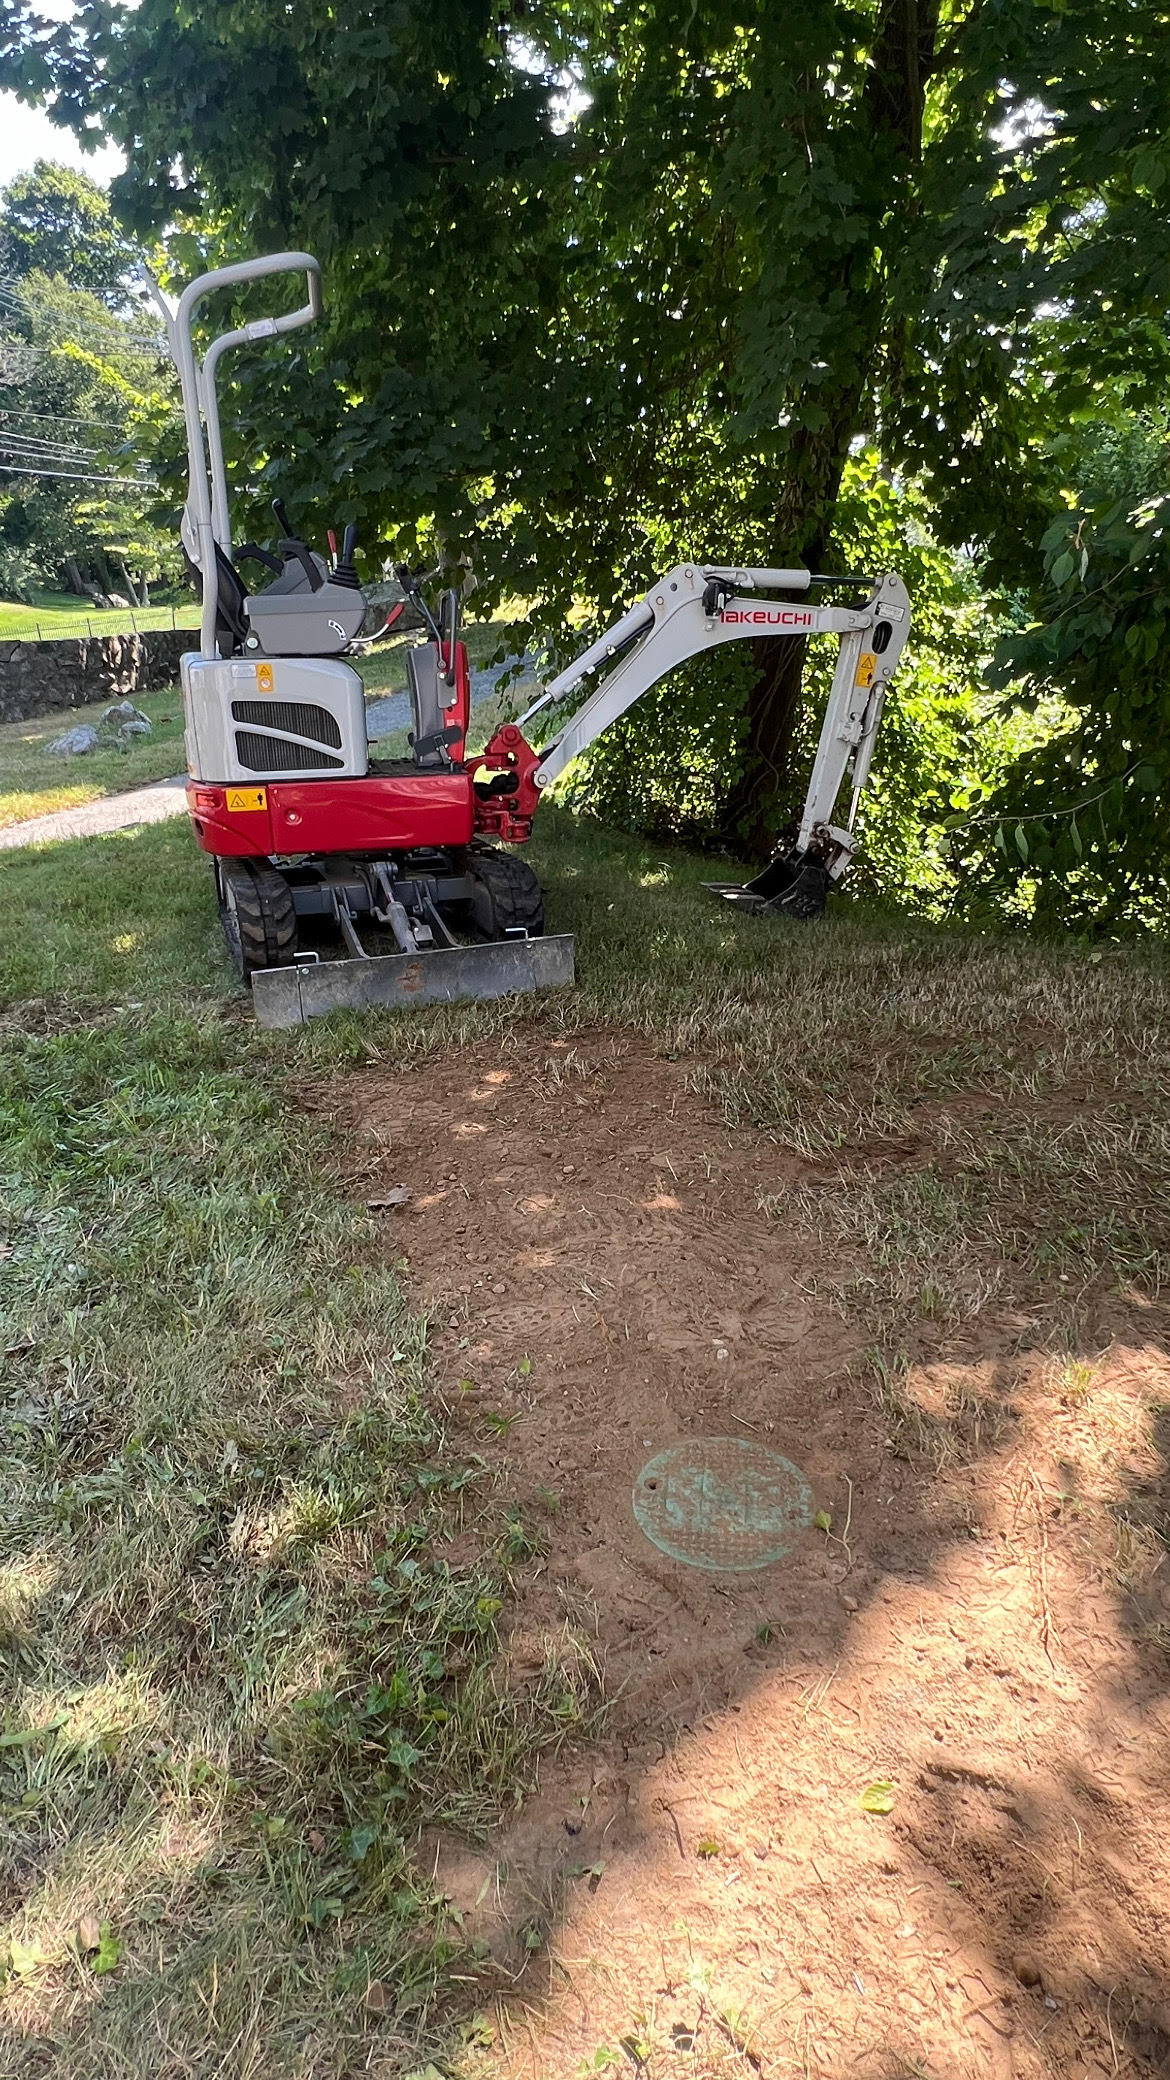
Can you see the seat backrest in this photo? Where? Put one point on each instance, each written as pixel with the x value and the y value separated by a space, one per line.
pixel 231 626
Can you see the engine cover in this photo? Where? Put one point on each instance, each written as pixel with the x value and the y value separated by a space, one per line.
pixel 281 718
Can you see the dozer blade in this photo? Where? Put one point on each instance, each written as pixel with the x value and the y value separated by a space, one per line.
pixel 454 975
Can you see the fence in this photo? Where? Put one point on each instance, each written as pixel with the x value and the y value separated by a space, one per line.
pixel 51 625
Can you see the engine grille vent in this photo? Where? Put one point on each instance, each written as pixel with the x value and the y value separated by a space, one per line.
pixel 260 754
pixel 299 718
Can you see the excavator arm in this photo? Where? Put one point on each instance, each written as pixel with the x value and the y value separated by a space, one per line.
pixel 698 607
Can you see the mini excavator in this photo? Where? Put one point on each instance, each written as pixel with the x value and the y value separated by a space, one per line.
pixel 322 848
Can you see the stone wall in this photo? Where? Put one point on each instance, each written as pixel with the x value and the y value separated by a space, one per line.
pixel 39 678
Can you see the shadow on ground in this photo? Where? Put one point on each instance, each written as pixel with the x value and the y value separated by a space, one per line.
pixel 981 1626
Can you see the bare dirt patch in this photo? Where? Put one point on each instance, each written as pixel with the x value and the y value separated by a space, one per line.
pixel 982 1627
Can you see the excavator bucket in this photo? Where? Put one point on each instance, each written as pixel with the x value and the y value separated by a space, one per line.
pixel 789 887
pixel 398 981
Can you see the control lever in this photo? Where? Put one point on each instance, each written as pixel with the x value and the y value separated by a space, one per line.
pixel 291 547
pixel 450 615
pixel 410 585
pixel 345 572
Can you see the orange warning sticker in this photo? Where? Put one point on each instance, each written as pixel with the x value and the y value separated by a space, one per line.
pixel 866 667
pixel 264 678
pixel 247 798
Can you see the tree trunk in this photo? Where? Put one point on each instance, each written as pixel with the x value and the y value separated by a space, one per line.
pixel 128 583
pixel 74 579
pixel 766 794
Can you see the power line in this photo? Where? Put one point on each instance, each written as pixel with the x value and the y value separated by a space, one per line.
pixel 58 418
pixel 43 444
pixel 12 469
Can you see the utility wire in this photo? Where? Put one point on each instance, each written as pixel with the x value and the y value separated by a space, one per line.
pixel 11 469
pixel 57 418
pixel 42 440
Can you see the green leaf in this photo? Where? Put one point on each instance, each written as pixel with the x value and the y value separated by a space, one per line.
pixel 707 1848
pixel 109 1950
pixel 1063 568
pixel 1021 842
pixel 1078 845
pixel 877 1798
pixel 823 1520
pixel 29 1734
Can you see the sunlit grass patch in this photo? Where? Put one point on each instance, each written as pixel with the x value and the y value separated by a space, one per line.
pixel 35 781
pixel 235 1680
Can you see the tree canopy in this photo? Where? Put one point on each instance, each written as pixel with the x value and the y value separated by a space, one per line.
pixel 56 221
pixel 82 384
pixel 608 285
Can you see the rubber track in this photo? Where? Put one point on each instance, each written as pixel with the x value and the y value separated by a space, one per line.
pixel 266 917
pixel 515 894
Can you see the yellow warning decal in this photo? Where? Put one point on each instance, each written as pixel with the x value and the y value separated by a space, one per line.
pixel 866 667
pixel 264 678
pixel 247 798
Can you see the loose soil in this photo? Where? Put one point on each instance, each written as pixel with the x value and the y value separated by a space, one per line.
pixel 698 1890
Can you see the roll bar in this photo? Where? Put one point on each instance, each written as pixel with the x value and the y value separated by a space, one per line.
pixel 207 501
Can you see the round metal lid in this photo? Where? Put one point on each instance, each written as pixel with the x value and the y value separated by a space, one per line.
pixel 722 1503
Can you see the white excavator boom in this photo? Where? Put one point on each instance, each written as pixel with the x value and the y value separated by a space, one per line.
pixel 697 607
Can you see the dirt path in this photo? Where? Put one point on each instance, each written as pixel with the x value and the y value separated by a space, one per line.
pixel 699 1892
pixel 114 812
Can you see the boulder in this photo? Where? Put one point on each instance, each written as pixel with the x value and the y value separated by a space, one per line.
pixel 122 720
pixel 83 738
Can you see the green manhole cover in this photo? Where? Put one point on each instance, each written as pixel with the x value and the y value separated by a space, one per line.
pixel 721 1503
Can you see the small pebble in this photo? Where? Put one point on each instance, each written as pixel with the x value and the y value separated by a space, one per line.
pixel 1026 1969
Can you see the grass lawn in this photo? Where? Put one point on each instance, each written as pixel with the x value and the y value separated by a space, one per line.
pixel 239 1674
pixel 34 781
pixel 56 615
